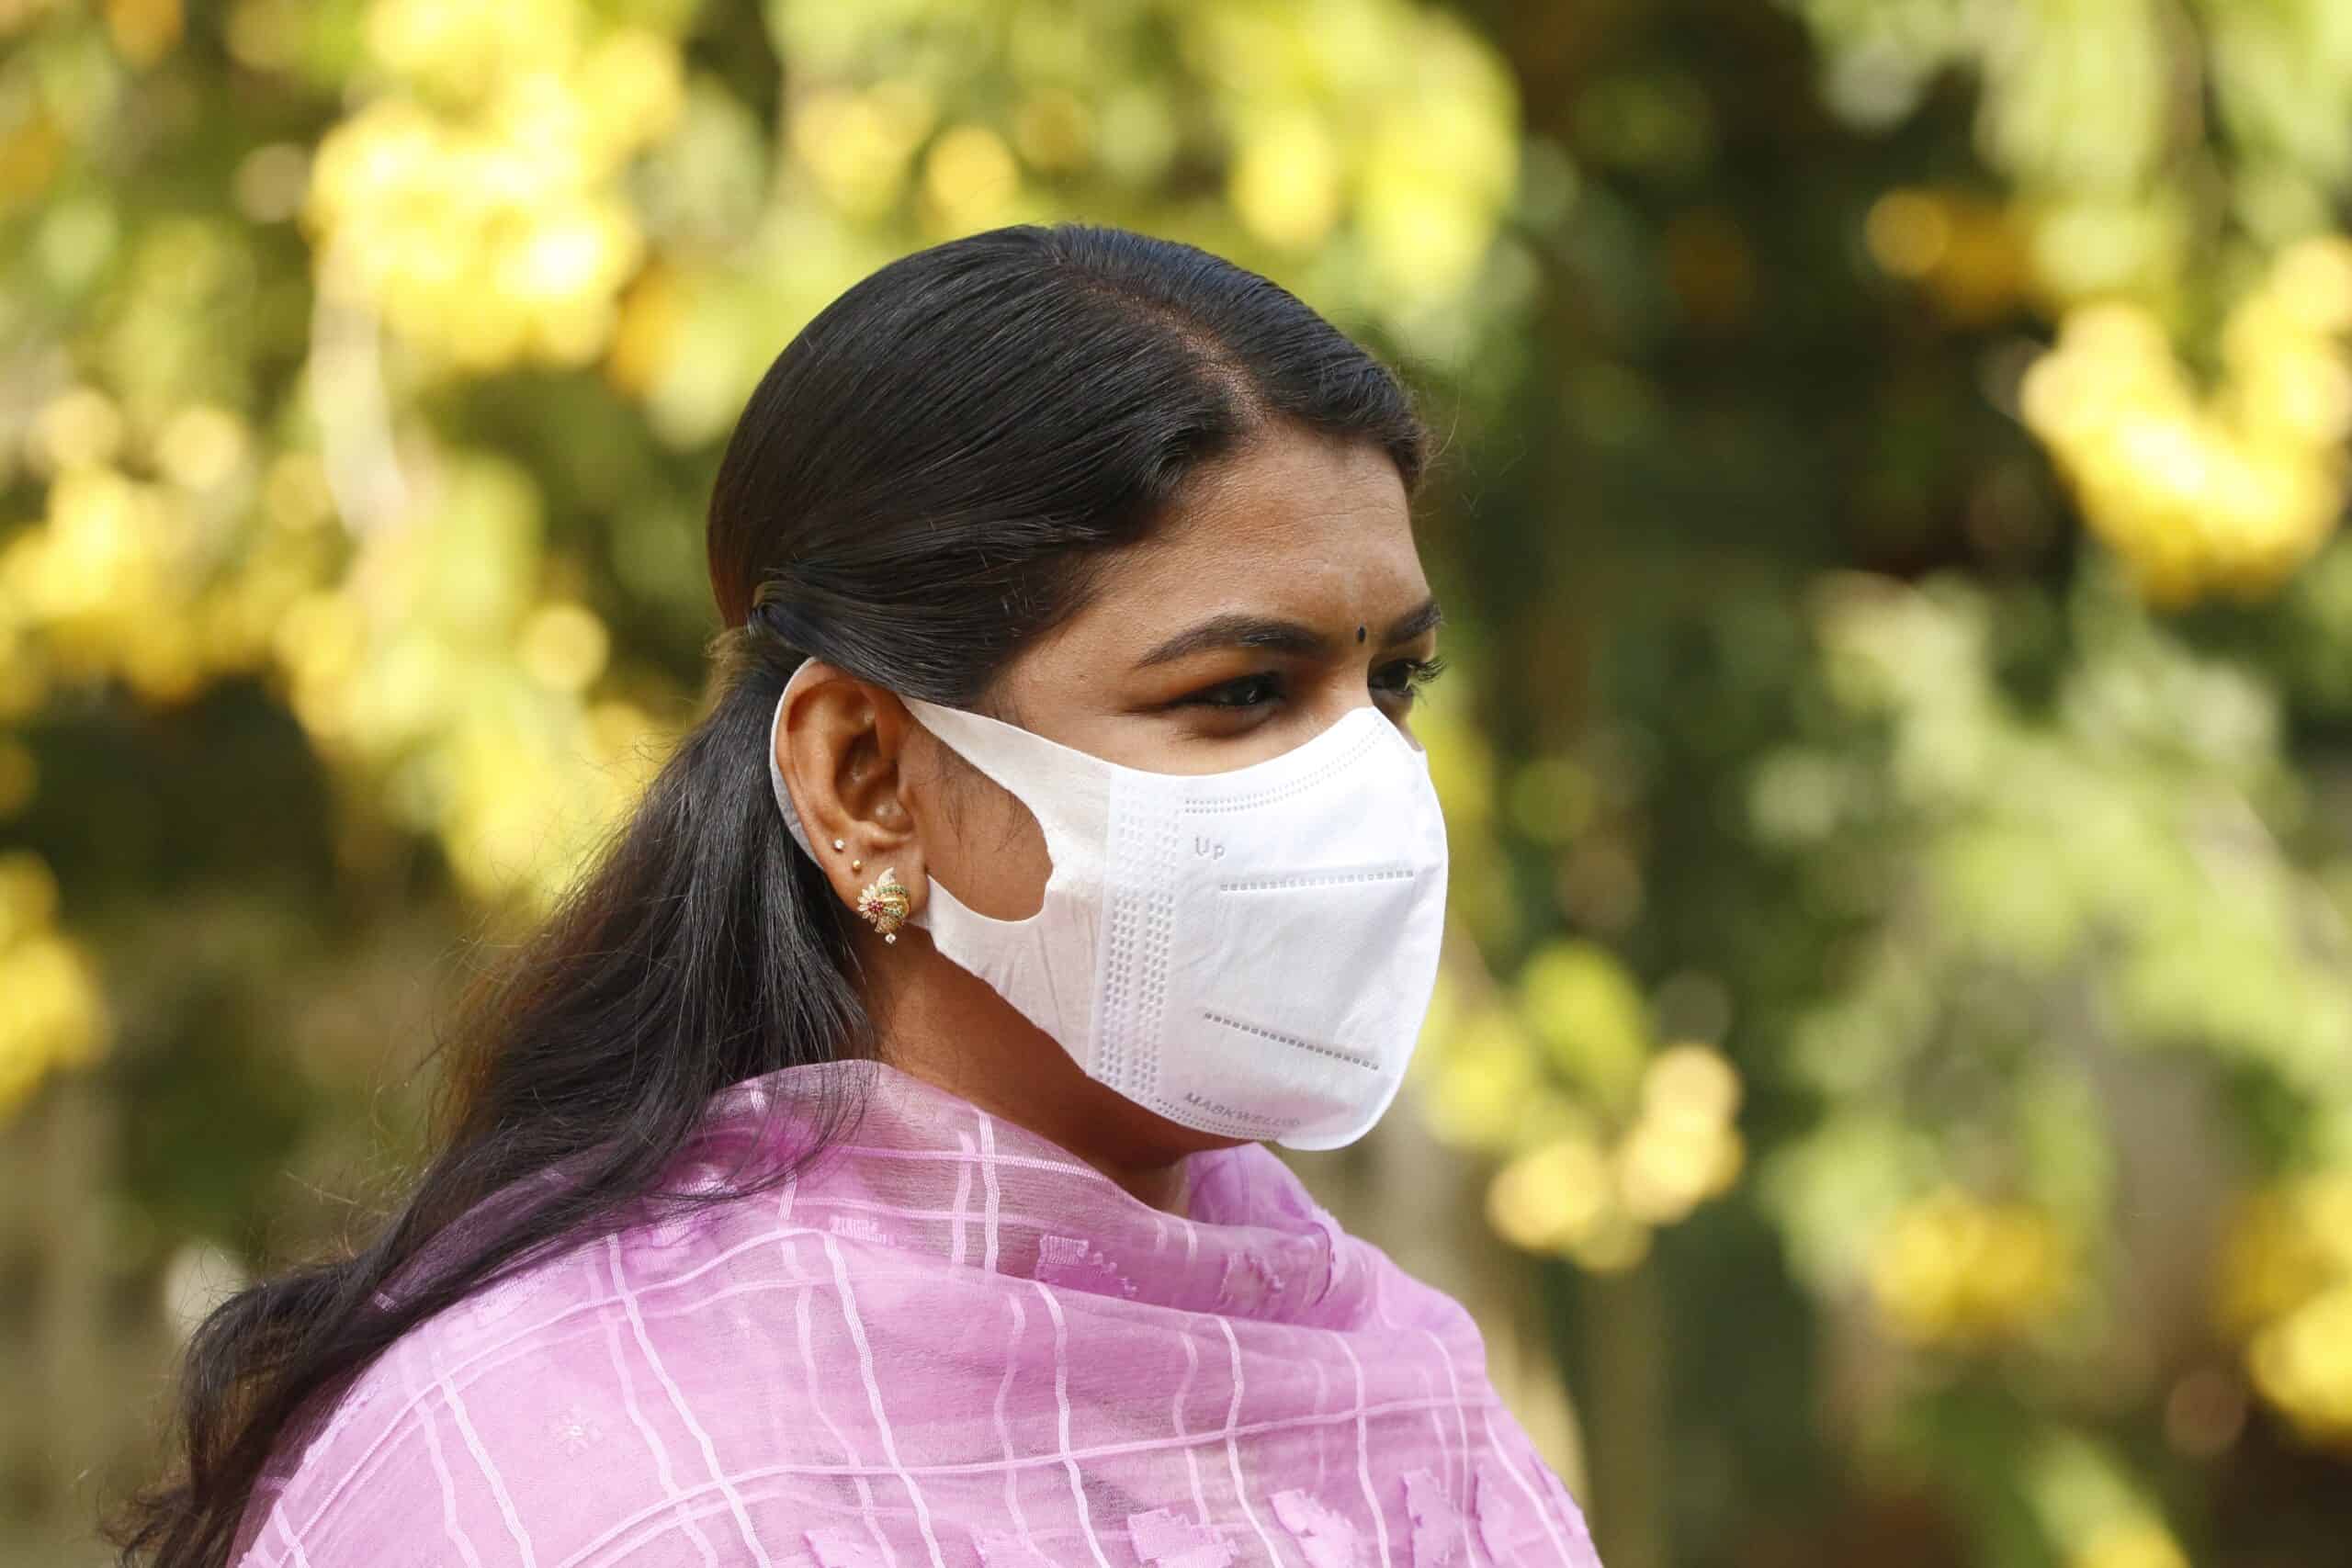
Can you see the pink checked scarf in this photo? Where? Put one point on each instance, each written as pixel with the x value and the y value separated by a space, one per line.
pixel 945 1343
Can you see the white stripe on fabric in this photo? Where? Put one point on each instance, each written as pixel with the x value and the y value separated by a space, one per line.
pixel 849 1451
pixel 989 1158
pixel 904 1211
pixel 1543 1510
pixel 301 1558
pixel 1232 1444
pixel 489 1471
pixel 963 1194
pixel 1192 1460
pixel 1461 1431
pixel 1018 1162
pixel 1004 1427
pixel 661 1471
pixel 678 1402
pixel 449 1525
pixel 1061 1403
pixel 1364 1454
pixel 873 1396
pixel 1437 1430
pixel 1322 1391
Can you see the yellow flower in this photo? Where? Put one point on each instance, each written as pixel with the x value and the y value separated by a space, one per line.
pixel 51 1016
pixel 2302 1364
pixel 2130 1543
pixel 2226 492
pixel 1952 1271
pixel 1550 1198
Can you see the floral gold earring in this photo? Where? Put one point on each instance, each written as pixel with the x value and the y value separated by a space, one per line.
pixel 885 903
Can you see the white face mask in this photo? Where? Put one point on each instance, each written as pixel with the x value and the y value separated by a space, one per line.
pixel 1248 953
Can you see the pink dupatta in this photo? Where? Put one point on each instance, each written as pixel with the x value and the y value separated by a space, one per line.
pixel 949 1343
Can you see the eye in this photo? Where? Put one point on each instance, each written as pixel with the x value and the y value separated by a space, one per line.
pixel 1237 696
pixel 1404 679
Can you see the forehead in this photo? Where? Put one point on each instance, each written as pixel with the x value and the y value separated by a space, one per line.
pixel 1299 525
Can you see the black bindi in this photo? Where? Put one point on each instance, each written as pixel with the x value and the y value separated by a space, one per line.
pixel 1359 634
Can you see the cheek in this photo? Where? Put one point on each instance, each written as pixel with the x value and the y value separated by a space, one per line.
pixel 992 853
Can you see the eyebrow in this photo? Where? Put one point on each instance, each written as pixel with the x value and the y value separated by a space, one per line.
pixel 1282 636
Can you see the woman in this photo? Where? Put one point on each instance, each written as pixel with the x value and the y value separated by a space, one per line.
pixel 861 1170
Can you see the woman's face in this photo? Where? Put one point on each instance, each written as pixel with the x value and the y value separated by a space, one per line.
pixel 1280 594
pixel 1283 592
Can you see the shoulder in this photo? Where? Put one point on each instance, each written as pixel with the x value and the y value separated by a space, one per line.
pixel 568 1413
pixel 421 1456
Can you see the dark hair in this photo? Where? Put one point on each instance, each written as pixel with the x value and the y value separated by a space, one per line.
pixel 914 492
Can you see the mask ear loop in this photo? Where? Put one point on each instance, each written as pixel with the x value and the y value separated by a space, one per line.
pixel 992 746
pixel 1041 962
pixel 776 774
pixel 1065 791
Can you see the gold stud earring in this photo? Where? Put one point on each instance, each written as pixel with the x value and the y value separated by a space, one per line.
pixel 885 903
pixel 858 865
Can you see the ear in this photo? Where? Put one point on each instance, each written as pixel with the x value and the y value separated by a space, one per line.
pixel 838 746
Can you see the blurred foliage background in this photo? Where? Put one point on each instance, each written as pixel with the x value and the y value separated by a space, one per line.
pixel 1899 1014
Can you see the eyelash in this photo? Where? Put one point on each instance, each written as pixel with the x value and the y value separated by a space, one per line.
pixel 1417 675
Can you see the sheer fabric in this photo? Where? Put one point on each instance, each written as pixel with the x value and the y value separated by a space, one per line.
pixel 945 1343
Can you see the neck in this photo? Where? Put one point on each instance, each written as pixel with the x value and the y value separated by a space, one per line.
pixel 939 1022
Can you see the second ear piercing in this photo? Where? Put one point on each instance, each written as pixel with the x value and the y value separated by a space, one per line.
pixel 854 865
